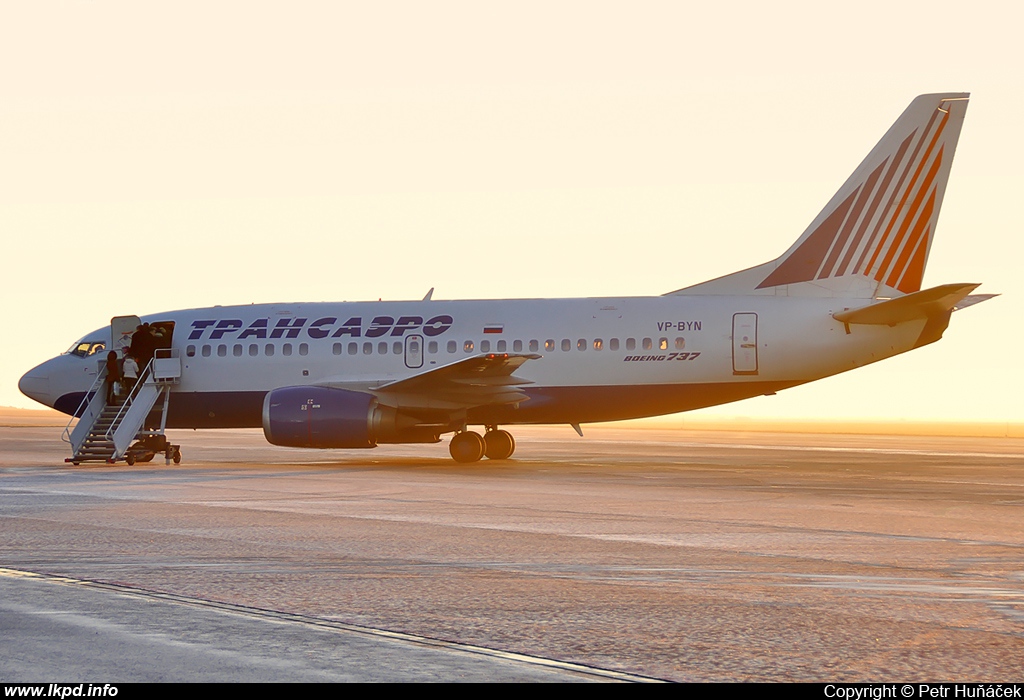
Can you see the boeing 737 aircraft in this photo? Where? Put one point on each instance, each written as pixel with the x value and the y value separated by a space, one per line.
pixel 354 375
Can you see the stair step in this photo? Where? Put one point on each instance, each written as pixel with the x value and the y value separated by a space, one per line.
pixel 98 444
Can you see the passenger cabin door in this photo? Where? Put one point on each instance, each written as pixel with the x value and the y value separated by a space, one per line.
pixel 413 351
pixel 744 343
pixel 121 329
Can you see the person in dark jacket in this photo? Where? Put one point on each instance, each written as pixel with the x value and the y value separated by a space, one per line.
pixel 113 376
pixel 143 345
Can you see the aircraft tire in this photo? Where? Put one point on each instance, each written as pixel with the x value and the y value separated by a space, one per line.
pixel 466 447
pixel 499 444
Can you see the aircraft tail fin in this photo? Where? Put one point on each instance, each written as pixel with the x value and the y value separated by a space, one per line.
pixel 874 235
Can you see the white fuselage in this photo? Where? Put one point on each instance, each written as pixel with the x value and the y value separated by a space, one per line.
pixel 600 358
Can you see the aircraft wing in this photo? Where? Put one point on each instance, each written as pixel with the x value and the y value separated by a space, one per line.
pixel 479 380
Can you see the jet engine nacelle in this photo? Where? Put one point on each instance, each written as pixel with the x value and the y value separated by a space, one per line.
pixel 322 417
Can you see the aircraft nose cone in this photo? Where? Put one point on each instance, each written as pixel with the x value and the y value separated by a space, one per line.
pixel 36 385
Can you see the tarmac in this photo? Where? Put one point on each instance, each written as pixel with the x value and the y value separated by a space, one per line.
pixel 630 554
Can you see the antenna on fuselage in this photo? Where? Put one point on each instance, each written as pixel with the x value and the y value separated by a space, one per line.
pixel 429 294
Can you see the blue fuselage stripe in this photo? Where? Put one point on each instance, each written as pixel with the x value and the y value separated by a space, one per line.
pixel 584 404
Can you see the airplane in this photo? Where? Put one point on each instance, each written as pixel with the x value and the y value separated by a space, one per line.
pixel 358 374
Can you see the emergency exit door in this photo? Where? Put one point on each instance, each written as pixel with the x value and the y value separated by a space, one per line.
pixel 744 343
pixel 414 351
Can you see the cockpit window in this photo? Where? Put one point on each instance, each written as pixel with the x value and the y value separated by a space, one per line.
pixel 84 348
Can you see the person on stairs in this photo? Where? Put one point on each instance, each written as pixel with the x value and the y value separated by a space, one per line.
pixel 113 376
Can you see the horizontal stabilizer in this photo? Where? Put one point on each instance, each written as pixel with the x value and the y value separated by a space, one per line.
pixel 973 299
pixel 918 305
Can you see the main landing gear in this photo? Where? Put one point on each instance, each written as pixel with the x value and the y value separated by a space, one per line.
pixel 468 446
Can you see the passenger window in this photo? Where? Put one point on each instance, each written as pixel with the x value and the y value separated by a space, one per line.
pixel 648 344
pixel 566 344
pixel 468 346
pixel 613 344
pixel 254 350
pixel 452 346
pixel 190 351
pixel 485 346
pixel 432 347
pixel 337 349
pixel 549 345
pixel 663 344
pixel 581 344
pixel 367 348
pixel 268 349
pixel 236 350
pixel 303 348
pixel 501 346
pixel 353 348
pixel 207 350
pixel 382 348
pixel 286 349
pixel 517 346
pixel 630 343
pixel 680 343
pixel 598 344
pixel 534 346
pixel 222 351
pixel 397 347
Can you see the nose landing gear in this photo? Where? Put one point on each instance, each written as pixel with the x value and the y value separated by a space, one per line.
pixel 146 449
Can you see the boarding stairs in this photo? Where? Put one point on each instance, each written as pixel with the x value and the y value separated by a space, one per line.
pixel 105 432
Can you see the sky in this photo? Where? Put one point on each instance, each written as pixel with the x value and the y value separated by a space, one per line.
pixel 164 156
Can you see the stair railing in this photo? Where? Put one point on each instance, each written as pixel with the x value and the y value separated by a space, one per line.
pixel 85 412
pixel 144 376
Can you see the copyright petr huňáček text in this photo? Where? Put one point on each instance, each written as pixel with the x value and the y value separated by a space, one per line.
pixel 923 690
